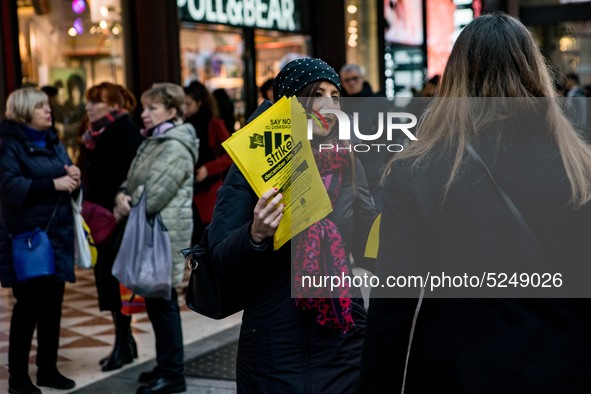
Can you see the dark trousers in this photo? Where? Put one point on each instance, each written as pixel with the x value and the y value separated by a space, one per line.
pixel 107 285
pixel 165 317
pixel 38 304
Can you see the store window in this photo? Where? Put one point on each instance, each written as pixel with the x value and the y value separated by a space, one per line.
pixel 404 55
pixel 212 54
pixel 276 49
pixel 220 29
pixel 361 24
pixel 567 47
pixel 70 45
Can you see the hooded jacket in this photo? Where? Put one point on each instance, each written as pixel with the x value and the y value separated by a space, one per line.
pixel 28 198
pixel 164 169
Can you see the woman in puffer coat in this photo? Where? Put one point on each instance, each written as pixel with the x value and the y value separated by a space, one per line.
pixel 310 344
pixel 163 171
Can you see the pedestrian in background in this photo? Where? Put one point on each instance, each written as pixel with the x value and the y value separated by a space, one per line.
pixel 73 113
pixel 442 208
pixel 354 82
pixel 54 105
pixel 163 171
pixel 301 345
pixel 213 163
pixel 36 180
pixel 576 104
pixel 110 144
pixel 266 90
pixel 226 108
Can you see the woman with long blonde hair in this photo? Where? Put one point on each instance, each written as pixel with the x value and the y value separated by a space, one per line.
pixel 498 183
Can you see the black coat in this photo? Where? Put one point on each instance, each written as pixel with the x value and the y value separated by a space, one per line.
pixel 106 166
pixel 481 345
pixel 104 170
pixel 28 197
pixel 282 349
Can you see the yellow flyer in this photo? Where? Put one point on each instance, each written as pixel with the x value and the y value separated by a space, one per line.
pixel 373 240
pixel 273 151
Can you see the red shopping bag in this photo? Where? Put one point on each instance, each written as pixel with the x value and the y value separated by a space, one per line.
pixel 130 302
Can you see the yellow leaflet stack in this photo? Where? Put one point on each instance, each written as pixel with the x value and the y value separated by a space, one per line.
pixel 273 151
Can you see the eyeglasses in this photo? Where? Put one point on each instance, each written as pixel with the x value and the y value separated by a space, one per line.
pixel 351 79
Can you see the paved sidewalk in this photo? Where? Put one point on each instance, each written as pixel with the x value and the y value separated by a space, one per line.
pixel 126 381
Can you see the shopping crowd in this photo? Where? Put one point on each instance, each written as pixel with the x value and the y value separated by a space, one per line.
pixel 478 189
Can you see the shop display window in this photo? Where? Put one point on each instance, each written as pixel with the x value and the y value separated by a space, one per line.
pixel 361 24
pixel 70 45
pixel 567 47
pixel 212 55
pixel 276 49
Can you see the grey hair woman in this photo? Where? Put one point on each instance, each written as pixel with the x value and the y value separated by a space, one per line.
pixel 36 180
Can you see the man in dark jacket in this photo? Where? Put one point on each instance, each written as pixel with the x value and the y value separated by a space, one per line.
pixel 354 83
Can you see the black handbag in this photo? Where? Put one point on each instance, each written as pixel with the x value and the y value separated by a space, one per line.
pixel 206 293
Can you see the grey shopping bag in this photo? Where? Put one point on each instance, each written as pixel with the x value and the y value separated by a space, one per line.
pixel 144 261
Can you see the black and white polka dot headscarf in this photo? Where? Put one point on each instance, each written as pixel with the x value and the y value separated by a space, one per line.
pixel 299 73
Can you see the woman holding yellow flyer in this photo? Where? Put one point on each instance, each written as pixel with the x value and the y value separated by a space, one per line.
pixel 295 339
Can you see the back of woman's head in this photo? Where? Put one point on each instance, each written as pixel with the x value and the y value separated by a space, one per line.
pixel 169 94
pixel 113 95
pixel 22 102
pixel 199 92
pixel 495 56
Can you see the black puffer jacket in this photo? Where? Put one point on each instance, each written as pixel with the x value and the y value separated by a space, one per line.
pixel 28 198
pixel 283 349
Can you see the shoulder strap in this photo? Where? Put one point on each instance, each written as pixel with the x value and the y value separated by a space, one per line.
pixel 54 211
pixel 520 220
pixel 533 240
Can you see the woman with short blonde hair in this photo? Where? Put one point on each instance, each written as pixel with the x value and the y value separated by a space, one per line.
pixel 21 104
pixel 162 172
pixel 36 180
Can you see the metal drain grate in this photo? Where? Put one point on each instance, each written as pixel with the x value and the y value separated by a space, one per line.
pixel 217 364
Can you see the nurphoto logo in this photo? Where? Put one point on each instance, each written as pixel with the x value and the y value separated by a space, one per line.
pixel 388 123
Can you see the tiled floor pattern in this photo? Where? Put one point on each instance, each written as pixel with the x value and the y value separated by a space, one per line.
pixel 87 334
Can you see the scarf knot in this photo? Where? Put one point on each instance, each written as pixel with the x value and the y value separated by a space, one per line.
pixel 98 127
pixel 159 129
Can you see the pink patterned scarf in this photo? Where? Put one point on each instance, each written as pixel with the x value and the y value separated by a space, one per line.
pixel 96 128
pixel 320 250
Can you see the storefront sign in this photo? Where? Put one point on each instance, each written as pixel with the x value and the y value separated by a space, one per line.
pixel 263 14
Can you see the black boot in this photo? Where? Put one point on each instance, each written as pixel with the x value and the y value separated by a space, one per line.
pixel 122 351
pixel 22 385
pixel 134 353
pixel 54 379
pixel 133 343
